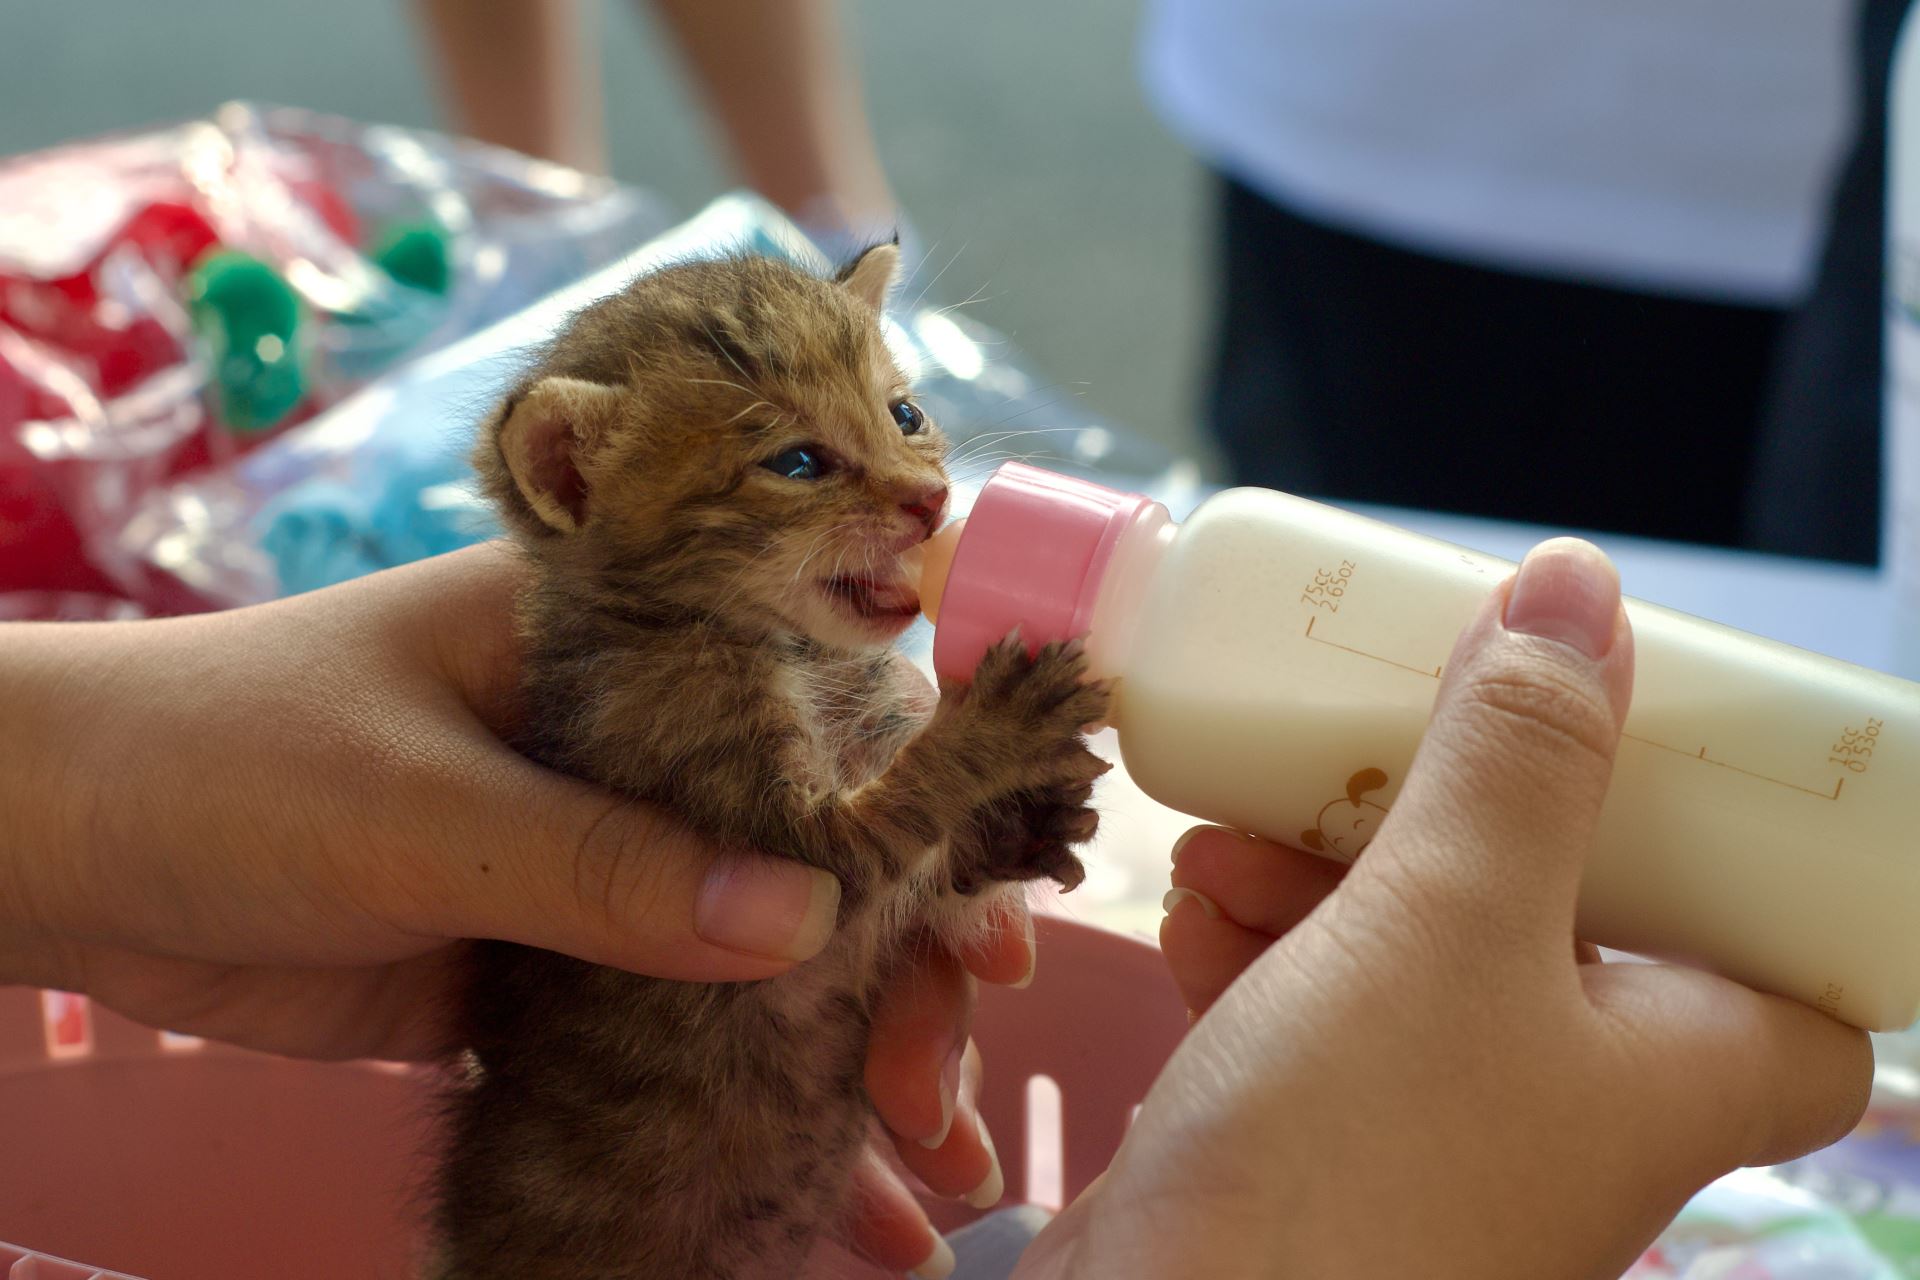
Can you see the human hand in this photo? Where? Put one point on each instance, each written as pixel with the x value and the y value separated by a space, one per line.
pixel 274 827
pixel 1409 1068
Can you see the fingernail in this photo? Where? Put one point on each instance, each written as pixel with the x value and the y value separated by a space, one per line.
pixel 1177 896
pixel 994 1186
pixel 949 1086
pixel 1567 591
pixel 767 906
pixel 1033 952
pixel 939 1264
pixel 1186 838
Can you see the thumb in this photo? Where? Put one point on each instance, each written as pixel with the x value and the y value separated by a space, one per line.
pixel 555 863
pixel 1498 812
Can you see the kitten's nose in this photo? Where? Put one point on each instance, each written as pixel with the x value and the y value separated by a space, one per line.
pixel 925 505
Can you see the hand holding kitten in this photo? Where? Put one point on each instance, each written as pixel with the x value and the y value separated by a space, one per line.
pixel 271 827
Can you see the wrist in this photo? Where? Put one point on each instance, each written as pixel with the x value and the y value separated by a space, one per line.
pixel 40 688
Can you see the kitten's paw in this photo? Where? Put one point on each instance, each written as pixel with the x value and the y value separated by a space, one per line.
pixel 1023 719
pixel 1049 690
pixel 1050 861
pixel 1031 836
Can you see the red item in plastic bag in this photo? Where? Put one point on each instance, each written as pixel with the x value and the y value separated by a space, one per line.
pixel 171 235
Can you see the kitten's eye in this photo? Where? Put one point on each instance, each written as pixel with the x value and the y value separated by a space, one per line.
pixel 908 415
pixel 804 463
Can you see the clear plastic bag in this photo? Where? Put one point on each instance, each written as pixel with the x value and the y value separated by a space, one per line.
pixel 1848 1212
pixel 1755 1225
pixel 169 298
pixel 382 477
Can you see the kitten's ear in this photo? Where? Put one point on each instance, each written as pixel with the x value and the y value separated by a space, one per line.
pixel 547 435
pixel 871 276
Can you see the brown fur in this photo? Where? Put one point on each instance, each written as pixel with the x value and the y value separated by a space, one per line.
pixel 682 647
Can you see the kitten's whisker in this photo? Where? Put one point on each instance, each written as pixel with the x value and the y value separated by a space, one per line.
pixel 1076 387
pixel 986 462
pixel 991 438
pixel 968 449
pixel 979 295
pixel 721 348
pixel 1036 408
pixel 992 457
pixel 921 266
pixel 928 287
pixel 814 548
pixel 1014 400
pixel 757 404
pixel 719 382
pixel 983 474
pixel 974 463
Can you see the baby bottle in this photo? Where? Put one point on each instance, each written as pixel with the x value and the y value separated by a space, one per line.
pixel 1276 660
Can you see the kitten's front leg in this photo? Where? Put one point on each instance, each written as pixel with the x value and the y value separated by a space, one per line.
pixel 1020 726
pixel 1010 742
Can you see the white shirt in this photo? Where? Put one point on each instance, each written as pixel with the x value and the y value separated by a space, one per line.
pixel 1681 146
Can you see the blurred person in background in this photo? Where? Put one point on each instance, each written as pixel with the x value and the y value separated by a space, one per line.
pixel 774 77
pixel 1551 260
pixel 1608 265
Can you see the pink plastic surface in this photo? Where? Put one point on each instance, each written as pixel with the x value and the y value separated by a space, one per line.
pixel 172 1159
pixel 1035 547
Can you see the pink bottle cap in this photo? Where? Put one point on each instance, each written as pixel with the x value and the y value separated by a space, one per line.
pixel 1031 556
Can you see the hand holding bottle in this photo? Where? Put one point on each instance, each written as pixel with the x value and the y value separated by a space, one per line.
pixel 1275 663
pixel 1415 1071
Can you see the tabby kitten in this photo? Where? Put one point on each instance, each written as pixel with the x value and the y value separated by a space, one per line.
pixel 714 475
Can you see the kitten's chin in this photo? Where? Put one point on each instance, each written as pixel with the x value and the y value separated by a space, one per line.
pixel 860 612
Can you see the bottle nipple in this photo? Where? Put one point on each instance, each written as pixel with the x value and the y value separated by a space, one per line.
pixel 935 557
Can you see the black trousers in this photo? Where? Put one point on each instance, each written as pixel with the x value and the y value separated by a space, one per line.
pixel 1346 368
pixel 1816 489
pixel 1351 369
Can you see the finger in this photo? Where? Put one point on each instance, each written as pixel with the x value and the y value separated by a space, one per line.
pixel 1205 951
pixel 1003 952
pixel 518 852
pixel 1495 821
pixel 456 611
pixel 965 1164
pixel 1257 885
pixel 399 1012
pixel 914 1053
pixel 1758 1078
pixel 889 1228
pixel 529 856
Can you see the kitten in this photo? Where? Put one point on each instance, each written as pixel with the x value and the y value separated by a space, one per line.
pixel 714 475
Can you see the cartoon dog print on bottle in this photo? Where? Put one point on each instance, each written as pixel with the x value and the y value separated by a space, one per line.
pixel 1346 826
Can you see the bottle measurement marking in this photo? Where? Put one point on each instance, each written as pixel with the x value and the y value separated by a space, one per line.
pixel 1334 644
pixel 1700 755
pixel 1704 758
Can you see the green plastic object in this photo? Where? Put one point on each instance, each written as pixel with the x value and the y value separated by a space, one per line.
pixel 249 318
pixel 416 255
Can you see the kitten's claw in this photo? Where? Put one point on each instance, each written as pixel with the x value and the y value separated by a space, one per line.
pixel 1059 864
pixel 1021 725
pixel 1024 717
pixel 1074 825
pixel 1031 837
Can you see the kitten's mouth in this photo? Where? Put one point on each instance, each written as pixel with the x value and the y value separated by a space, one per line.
pixel 876 600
